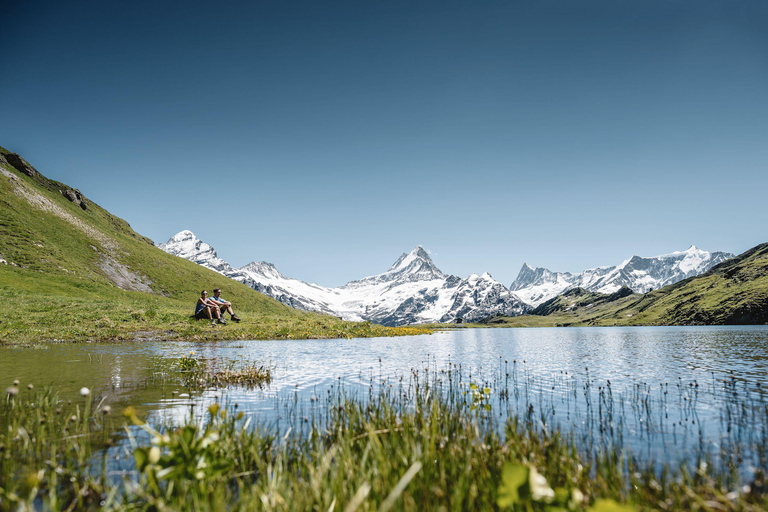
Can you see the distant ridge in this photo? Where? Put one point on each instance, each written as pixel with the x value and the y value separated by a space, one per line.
pixel 734 292
pixel 412 291
pixel 537 285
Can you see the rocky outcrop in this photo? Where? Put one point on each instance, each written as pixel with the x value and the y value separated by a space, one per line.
pixel 76 197
pixel 21 165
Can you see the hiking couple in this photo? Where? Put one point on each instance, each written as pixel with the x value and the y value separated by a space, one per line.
pixel 214 308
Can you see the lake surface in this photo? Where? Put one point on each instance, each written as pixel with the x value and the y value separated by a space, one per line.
pixel 661 392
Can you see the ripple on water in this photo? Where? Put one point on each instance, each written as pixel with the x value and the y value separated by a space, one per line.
pixel 673 367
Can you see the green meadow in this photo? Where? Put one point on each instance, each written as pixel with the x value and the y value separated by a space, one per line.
pixel 77 275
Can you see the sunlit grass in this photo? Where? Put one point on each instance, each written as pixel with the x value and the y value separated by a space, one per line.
pixel 425 443
pixel 59 291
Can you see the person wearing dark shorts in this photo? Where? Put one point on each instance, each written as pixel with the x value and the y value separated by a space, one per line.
pixel 225 306
pixel 208 309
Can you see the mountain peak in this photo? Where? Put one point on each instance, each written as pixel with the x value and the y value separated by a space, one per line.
pixel 181 236
pixel 417 255
pixel 262 268
pixel 409 267
pixel 420 253
pixel 692 250
pixel 185 244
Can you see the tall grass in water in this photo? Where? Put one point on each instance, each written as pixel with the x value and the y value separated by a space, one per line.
pixel 424 442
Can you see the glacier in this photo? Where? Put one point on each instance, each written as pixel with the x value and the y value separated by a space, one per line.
pixel 537 285
pixel 412 291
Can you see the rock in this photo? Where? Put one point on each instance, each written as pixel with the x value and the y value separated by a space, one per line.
pixel 21 164
pixel 76 197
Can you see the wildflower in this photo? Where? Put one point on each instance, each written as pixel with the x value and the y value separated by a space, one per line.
pixel 154 455
pixel 540 489
pixel 85 391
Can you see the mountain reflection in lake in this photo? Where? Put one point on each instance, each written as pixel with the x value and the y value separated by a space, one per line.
pixel 664 393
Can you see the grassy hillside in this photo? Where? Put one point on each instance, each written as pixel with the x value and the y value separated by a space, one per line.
pixel 69 270
pixel 574 307
pixel 731 293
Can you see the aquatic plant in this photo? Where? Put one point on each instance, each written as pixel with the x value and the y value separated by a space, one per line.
pixel 202 373
pixel 411 443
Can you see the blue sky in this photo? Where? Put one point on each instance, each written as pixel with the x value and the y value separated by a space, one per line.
pixel 330 137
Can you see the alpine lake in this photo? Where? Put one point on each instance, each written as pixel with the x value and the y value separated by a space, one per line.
pixel 661 394
pixel 662 417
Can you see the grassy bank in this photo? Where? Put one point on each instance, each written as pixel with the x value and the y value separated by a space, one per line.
pixel 429 444
pixel 50 316
pixel 75 272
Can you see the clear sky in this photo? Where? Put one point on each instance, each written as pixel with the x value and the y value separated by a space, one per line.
pixel 329 137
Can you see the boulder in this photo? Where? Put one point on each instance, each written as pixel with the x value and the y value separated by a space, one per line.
pixel 21 164
pixel 76 197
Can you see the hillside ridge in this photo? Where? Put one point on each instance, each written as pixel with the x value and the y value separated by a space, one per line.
pixel 76 272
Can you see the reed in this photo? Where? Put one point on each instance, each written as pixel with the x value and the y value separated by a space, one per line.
pixel 423 441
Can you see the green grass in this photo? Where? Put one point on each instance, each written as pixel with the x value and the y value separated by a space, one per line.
pixel 57 288
pixel 424 446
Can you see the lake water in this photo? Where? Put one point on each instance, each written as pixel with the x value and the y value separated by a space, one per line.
pixel 661 392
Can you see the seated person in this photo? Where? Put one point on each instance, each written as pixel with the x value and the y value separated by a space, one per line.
pixel 206 308
pixel 224 305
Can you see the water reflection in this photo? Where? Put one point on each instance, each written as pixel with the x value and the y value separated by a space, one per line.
pixel 564 375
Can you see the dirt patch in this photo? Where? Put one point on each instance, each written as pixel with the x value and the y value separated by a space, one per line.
pixel 122 275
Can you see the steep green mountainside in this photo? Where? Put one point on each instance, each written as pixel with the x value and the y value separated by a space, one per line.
pixel 577 298
pixel 731 293
pixel 69 270
pixel 574 307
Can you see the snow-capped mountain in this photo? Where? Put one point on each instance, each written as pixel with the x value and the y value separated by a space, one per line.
pixel 186 245
pixel 413 290
pixel 537 285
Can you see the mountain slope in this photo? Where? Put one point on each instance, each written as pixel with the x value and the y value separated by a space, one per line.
pixel 734 292
pixel 74 271
pixel 412 291
pixel 536 286
pixel 577 298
